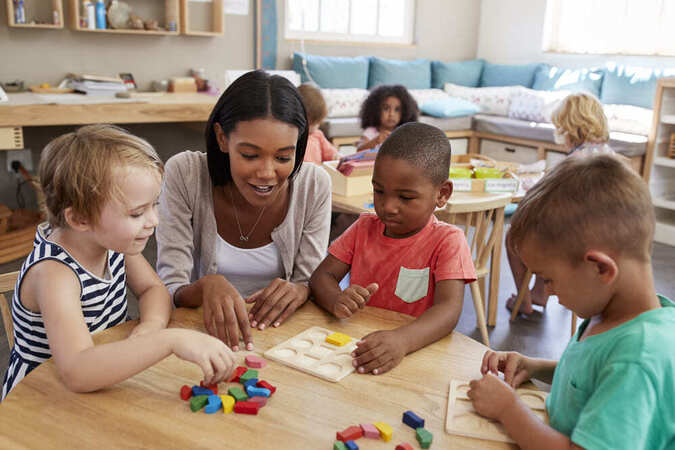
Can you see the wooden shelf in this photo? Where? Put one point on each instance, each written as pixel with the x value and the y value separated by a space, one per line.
pixel 30 7
pixel 664 161
pixel 75 20
pixel 212 16
pixel 668 119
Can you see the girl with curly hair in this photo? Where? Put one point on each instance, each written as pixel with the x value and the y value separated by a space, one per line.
pixel 387 107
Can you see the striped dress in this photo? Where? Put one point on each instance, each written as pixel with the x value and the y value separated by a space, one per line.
pixel 103 301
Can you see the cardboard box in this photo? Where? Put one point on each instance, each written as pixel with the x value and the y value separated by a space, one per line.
pixel 485 184
pixel 351 185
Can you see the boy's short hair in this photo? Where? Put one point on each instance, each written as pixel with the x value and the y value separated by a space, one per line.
pixel 315 105
pixel 589 200
pixel 76 169
pixel 582 118
pixel 423 146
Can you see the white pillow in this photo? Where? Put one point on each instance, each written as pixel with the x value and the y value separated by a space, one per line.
pixel 629 119
pixel 423 96
pixel 491 100
pixel 344 102
pixel 534 105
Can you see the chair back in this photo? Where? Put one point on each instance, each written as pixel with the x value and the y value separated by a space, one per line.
pixel 484 216
pixel 7 283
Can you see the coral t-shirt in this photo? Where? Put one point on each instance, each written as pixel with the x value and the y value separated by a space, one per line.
pixel 319 148
pixel 407 269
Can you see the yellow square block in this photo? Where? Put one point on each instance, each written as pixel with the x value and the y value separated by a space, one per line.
pixel 385 430
pixel 338 339
pixel 228 403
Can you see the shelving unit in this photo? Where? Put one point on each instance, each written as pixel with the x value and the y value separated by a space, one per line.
pixel 37 10
pixel 211 16
pixel 660 167
pixel 76 16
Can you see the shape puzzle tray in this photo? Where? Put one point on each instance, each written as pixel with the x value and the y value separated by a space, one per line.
pixel 309 352
pixel 463 420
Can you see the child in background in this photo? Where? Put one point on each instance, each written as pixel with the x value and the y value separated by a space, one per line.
pixel 586 229
pixel 580 126
pixel 101 186
pixel 402 258
pixel 319 149
pixel 385 108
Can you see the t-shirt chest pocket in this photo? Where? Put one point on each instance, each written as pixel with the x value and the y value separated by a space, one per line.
pixel 412 284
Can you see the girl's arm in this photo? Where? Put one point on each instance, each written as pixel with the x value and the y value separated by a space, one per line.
pixel 328 150
pixel 84 367
pixel 153 298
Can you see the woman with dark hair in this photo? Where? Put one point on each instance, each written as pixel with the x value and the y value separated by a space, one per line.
pixel 247 221
pixel 385 108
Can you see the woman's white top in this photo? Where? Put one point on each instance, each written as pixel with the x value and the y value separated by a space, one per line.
pixel 248 269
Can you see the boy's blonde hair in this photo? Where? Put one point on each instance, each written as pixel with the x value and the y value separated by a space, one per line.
pixel 315 105
pixel 581 116
pixel 587 201
pixel 77 170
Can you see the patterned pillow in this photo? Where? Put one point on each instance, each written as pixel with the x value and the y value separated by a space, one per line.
pixel 491 100
pixel 423 96
pixel 533 105
pixel 344 102
pixel 629 119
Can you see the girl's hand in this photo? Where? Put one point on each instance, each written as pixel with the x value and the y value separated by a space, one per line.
pixel 384 134
pixel 146 327
pixel 352 299
pixel 276 303
pixel 224 311
pixel 211 355
pixel 491 397
pixel 516 367
pixel 378 352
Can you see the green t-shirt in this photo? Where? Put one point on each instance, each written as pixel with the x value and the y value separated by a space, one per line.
pixel 616 390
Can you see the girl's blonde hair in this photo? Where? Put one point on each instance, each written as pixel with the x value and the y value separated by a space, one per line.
pixel 582 118
pixel 77 170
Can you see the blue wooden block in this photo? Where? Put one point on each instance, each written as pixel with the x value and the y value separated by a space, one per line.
pixel 198 390
pixel 254 391
pixel 251 382
pixel 413 420
pixel 351 445
pixel 214 404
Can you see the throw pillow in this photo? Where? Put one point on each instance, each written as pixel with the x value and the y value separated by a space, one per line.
pixel 631 85
pixel 450 107
pixel 533 105
pixel 332 71
pixel 344 102
pixel 464 73
pixel 491 100
pixel 508 75
pixel 422 96
pixel 549 78
pixel 411 74
pixel 629 119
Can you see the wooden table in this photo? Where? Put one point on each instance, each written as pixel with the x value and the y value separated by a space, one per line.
pixel 305 412
pixel 358 204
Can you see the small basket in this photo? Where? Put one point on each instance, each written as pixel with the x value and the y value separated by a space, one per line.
pixel 671 149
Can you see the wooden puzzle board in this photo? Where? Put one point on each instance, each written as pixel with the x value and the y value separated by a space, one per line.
pixel 309 352
pixel 463 420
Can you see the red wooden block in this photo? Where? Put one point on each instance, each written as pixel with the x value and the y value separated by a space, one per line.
pixel 247 407
pixel 255 361
pixel 239 371
pixel 185 392
pixel 349 434
pixel 212 387
pixel 404 446
pixel 266 385
pixel 259 399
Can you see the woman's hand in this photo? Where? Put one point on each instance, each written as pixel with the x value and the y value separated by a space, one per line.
pixel 276 303
pixel 225 313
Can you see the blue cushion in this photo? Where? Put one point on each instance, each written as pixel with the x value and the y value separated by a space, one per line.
pixel 508 75
pixel 333 72
pixel 631 85
pixel 411 74
pixel 463 73
pixel 450 107
pixel 550 78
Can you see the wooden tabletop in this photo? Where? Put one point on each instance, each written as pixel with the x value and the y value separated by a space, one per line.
pixel 146 411
pixel 28 109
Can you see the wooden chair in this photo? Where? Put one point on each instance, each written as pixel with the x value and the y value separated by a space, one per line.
pixel 524 286
pixel 485 217
pixel 7 283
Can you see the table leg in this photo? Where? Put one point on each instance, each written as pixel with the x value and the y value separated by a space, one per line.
pixel 495 268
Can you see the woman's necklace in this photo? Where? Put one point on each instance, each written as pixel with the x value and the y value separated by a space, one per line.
pixel 244 237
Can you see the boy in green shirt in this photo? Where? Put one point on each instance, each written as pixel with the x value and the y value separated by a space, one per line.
pixel 586 229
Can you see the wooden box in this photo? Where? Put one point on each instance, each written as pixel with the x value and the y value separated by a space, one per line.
pixel 351 185
pixel 506 184
pixel 671 149
pixel 11 138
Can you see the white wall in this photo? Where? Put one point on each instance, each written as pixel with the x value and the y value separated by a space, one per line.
pixel 511 32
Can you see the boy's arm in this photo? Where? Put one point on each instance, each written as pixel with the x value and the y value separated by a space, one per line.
pixel 325 280
pixel 154 303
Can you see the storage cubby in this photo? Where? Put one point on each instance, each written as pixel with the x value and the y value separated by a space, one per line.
pixel 161 10
pixel 49 14
pixel 202 18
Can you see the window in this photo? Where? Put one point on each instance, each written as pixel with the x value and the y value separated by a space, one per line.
pixel 387 21
pixel 628 27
